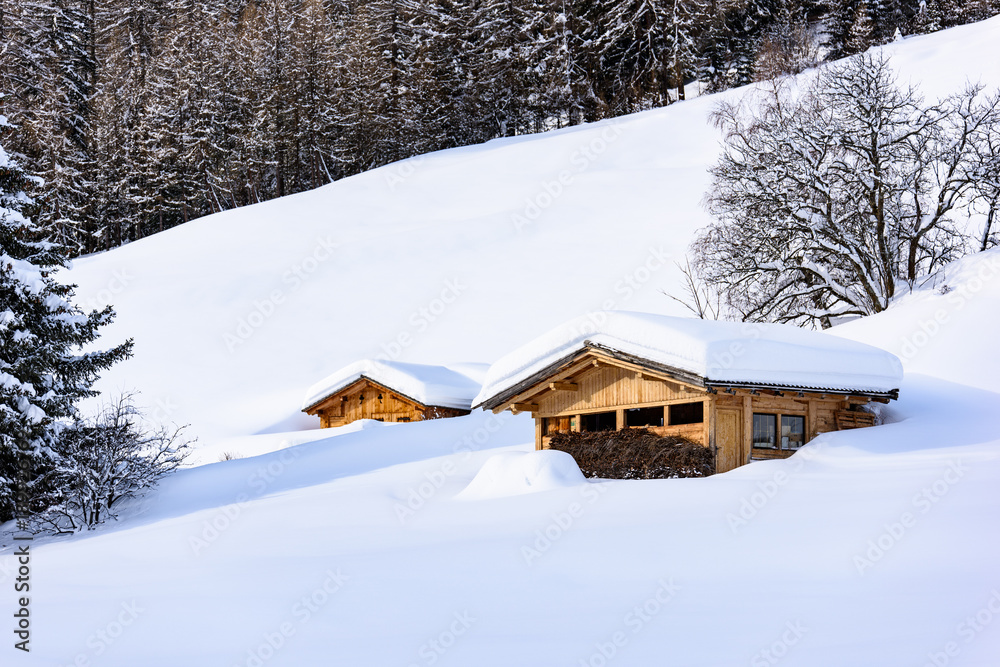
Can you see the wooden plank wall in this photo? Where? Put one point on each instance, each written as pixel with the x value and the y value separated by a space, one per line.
pixel 347 406
pixel 610 387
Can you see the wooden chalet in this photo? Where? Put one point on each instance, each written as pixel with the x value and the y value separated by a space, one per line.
pixel 391 392
pixel 720 391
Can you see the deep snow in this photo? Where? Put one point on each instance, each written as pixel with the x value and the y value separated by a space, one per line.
pixel 869 547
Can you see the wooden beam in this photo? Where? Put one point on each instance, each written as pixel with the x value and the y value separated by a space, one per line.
pixel 747 448
pixel 564 386
pixel 525 407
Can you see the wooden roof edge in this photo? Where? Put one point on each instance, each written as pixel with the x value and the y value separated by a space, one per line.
pixel 717 384
pixel 506 396
pixel 376 383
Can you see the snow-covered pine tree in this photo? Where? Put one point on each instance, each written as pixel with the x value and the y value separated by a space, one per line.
pixel 43 373
pixel 860 32
pixel 499 68
pixel 314 87
pixel 50 73
pixel 560 58
pixel 650 48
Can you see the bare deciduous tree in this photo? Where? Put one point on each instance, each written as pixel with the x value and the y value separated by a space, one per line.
pixel 829 197
pixel 102 461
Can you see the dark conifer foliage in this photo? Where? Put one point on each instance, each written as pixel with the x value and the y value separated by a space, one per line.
pixel 144 114
pixel 43 374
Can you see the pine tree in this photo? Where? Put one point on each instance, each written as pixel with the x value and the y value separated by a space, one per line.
pixel 42 372
pixel 499 68
pixel 860 34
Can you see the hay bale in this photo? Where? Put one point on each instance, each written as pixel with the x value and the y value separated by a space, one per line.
pixel 634 453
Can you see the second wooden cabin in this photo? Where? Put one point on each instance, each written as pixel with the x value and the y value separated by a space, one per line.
pixel 747 391
pixel 391 391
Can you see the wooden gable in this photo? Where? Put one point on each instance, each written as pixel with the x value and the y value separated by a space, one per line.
pixel 594 381
pixel 366 399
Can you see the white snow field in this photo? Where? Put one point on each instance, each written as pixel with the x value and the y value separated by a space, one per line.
pixel 411 544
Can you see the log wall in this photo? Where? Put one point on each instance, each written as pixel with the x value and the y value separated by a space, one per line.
pixel 348 405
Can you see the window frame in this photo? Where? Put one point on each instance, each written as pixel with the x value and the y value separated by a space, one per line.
pixel 779 417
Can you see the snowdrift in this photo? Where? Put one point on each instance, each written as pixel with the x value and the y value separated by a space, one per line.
pixel 517 473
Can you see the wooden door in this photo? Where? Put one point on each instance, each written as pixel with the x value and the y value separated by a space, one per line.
pixel 728 439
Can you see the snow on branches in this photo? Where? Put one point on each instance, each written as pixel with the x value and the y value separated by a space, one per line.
pixel 829 197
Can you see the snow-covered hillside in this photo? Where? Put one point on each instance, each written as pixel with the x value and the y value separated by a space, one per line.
pixel 452 257
pixel 410 544
pixel 415 544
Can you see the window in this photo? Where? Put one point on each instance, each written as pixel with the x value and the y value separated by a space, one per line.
pixel 687 413
pixel 764 431
pixel 793 430
pixel 599 421
pixel 644 417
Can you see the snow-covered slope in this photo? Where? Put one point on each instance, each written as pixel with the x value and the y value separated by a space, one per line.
pixel 456 256
pixel 448 543
pixel 929 328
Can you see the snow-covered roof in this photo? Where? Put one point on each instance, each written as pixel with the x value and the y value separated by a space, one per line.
pixel 735 353
pixel 440 386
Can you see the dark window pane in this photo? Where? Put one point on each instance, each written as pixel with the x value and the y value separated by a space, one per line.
pixel 601 421
pixel 764 427
pixel 644 417
pixel 687 413
pixel 793 431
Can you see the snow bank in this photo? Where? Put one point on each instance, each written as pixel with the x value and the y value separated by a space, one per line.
pixel 516 473
pixel 431 385
pixel 946 327
pixel 772 354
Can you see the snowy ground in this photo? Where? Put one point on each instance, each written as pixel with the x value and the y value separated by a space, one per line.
pixel 871 547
